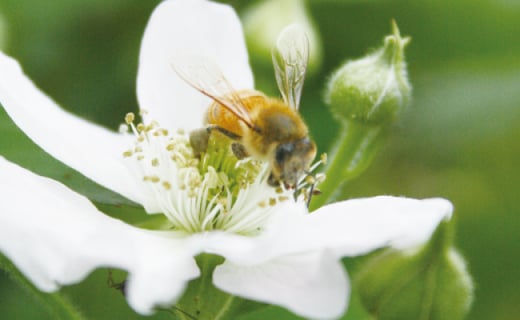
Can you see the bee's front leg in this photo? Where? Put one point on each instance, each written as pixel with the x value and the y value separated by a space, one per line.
pixel 239 150
pixel 273 181
pixel 199 140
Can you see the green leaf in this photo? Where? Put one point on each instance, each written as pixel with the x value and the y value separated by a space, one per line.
pixel 56 304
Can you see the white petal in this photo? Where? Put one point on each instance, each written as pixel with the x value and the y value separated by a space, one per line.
pixel 347 228
pixel 312 285
pixel 358 226
pixel 188 26
pixel 268 245
pixel 56 237
pixel 90 149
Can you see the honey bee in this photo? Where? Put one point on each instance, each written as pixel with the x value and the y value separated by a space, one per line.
pixel 262 127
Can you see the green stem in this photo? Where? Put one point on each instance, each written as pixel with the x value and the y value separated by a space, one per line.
pixel 357 145
pixel 57 305
pixel 203 301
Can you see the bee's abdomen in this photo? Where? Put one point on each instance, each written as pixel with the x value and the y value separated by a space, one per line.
pixel 222 117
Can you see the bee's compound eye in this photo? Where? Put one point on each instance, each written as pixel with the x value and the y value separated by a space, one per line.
pixel 283 151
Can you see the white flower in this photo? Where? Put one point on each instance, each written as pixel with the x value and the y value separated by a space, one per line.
pixel 274 253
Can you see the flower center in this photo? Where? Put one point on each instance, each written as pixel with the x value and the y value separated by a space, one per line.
pixel 215 191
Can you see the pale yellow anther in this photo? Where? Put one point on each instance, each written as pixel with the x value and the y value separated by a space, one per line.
pixel 140 157
pixel 138 149
pixel 310 179
pixel 170 146
pixel 323 158
pixel 272 201
pixel 155 179
pixel 262 204
pixel 320 177
pixel 155 162
pixel 180 131
pixel 141 127
pixel 283 198
pixel 279 190
pixel 167 185
pixel 129 118
pixel 127 154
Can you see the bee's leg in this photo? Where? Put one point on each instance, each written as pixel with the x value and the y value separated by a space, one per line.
pixel 273 181
pixel 239 150
pixel 199 140
pixel 225 132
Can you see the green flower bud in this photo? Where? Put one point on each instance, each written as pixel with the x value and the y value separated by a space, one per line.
pixel 375 88
pixel 431 284
pixel 366 95
pixel 264 21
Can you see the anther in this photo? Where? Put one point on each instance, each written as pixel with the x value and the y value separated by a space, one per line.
pixel 167 185
pixel 323 158
pixel 129 118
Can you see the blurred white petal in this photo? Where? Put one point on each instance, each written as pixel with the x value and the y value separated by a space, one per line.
pixel 188 26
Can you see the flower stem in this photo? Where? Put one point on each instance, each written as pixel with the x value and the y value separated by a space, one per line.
pixel 357 145
pixel 56 304
pixel 203 301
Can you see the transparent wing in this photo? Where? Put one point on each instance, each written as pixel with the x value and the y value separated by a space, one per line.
pixel 290 58
pixel 203 74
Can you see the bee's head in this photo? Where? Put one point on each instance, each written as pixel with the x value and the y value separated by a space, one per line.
pixel 291 161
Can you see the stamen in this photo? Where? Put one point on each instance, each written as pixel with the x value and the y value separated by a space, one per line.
pixel 214 192
pixel 129 118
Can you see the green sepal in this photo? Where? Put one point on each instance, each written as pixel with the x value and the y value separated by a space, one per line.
pixel 431 283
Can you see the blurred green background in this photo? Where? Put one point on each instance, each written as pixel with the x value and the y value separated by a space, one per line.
pixel 459 139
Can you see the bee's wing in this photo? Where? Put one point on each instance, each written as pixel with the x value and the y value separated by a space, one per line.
pixel 290 58
pixel 204 75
